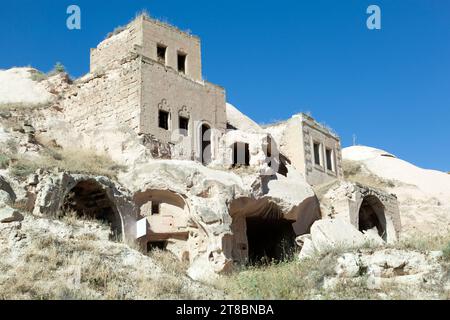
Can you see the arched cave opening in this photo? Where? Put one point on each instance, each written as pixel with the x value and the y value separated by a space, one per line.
pixel 89 200
pixel 371 215
pixel 269 239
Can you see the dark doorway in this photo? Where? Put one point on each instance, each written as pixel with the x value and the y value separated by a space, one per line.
pixel 371 215
pixel 206 144
pixel 270 240
pixel 241 154
pixel 88 199
pixel 156 245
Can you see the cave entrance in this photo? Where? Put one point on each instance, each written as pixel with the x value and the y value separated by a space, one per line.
pixel 371 215
pixel 89 200
pixel 269 239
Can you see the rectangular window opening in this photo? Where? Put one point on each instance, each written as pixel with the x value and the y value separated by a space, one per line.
pixel 161 53
pixel 329 154
pixel 184 125
pixel 164 120
pixel 155 208
pixel 317 154
pixel 182 62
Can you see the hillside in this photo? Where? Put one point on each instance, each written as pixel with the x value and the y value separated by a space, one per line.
pixel 424 195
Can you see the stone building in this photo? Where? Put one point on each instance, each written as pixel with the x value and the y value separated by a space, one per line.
pixel 311 148
pixel 148 77
pixel 253 200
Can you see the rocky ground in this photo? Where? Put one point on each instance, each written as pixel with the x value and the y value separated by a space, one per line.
pixel 73 259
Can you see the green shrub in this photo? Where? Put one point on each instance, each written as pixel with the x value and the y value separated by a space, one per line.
pixel 38 76
pixel 58 68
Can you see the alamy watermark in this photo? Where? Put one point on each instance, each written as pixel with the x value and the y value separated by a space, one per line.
pixel 73 22
pixel 374 20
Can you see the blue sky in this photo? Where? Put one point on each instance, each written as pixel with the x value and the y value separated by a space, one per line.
pixel 391 88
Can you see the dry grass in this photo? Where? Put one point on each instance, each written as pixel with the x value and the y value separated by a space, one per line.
pixel 295 280
pixel 354 172
pixel 424 243
pixel 52 268
pixel 74 160
pixel 300 280
pixel 168 262
pixel 23 106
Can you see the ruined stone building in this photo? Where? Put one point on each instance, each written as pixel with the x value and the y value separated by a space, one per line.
pixel 148 77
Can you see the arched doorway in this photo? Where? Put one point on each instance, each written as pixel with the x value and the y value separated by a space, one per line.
pixel 88 199
pixel 371 215
pixel 205 143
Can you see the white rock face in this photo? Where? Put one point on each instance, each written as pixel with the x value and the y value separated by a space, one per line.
pixel 330 234
pixel 8 214
pixel 216 197
pixel 16 86
pixel 335 233
pixel 424 195
pixel 391 267
pixel 240 121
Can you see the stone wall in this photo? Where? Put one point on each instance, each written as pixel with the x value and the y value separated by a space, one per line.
pixel 157 33
pixel 143 35
pixel 116 47
pixel 314 133
pixel 106 100
pixel 167 90
pixel 296 138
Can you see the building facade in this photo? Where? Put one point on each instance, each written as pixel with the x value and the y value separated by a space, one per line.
pixel 311 148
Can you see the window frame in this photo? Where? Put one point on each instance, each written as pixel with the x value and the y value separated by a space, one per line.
pixel 332 159
pixel 320 160
pixel 168 119
pixel 184 55
pixel 182 132
pixel 161 59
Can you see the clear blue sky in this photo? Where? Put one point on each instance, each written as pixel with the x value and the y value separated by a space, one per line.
pixel 391 87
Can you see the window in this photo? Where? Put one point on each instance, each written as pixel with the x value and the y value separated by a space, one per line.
pixel 182 62
pixel 241 154
pixel 183 123
pixel 329 154
pixel 163 119
pixel 317 154
pixel 155 207
pixel 161 53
